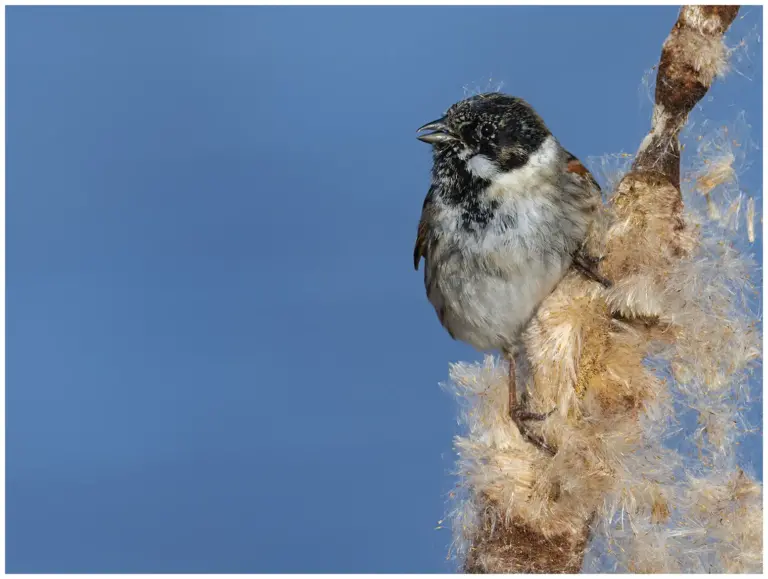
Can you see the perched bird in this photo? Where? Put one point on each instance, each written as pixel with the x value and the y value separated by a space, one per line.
pixel 506 216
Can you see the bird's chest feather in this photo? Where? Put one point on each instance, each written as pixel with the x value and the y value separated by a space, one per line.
pixel 487 276
pixel 508 231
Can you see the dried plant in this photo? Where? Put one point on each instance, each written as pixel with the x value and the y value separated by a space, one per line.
pixel 675 334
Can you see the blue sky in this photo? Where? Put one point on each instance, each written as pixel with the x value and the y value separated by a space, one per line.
pixel 219 357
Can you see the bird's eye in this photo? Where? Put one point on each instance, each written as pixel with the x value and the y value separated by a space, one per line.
pixel 486 131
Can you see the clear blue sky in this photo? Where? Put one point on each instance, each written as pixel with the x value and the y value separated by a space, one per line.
pixel 219 357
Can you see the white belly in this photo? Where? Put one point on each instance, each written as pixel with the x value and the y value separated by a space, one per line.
pixel 489 310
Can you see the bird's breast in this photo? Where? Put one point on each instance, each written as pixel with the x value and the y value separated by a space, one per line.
pixel 486 281
pixel 486 298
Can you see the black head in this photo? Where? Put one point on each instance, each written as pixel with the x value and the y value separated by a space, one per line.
pixel 505 130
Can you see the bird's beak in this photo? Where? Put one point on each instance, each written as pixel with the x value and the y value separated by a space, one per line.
pixel 441 133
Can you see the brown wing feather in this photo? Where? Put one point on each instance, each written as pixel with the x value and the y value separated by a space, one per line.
pixel 587 264
pixel 577 167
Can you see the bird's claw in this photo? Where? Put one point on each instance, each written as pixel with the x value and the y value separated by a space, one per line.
pixel 524 415
pixel 520 417
pixel 588 266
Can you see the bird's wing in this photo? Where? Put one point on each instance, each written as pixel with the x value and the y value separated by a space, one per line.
pixel 582 260
pixel 577 167
pixel 422 235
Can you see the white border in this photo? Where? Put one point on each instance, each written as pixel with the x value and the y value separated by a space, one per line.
pixel 290 3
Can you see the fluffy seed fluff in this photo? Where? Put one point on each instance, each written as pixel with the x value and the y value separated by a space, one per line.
pixel 674 344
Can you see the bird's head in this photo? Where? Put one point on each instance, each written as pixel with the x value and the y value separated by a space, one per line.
pixel 488 136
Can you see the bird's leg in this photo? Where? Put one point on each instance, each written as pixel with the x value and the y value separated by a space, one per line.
pixel 519 416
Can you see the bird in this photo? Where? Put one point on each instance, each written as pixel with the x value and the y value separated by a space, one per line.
pixel 506 216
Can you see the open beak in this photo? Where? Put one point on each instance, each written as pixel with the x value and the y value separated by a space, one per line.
pixel 440 132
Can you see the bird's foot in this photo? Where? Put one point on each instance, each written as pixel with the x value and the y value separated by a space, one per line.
pixel 524 415
pixel 520 417
pixel 588 266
